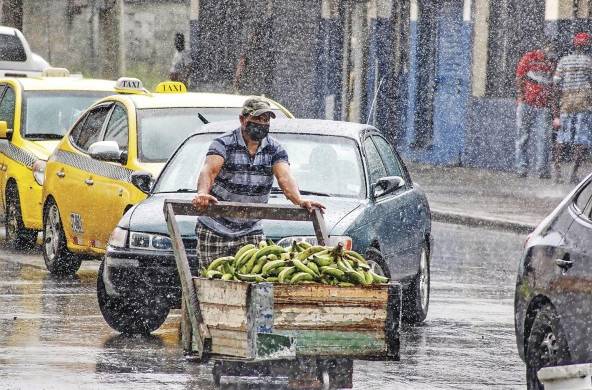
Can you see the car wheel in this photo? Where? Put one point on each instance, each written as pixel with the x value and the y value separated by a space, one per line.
pixel 416 298
pixel 58 259
pixel 546 346
pixel 138 314
pixel 17 236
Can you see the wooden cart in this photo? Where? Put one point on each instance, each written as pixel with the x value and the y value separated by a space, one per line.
pixel 281 326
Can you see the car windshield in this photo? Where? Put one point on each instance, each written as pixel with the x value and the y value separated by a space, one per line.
pixel 324 165
pixel 161 130
pixel 49 114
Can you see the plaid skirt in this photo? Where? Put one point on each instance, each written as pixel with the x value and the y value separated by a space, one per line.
pixel 211 246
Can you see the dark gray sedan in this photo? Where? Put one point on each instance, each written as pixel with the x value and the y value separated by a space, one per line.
pixel 553 303
pixel 372 206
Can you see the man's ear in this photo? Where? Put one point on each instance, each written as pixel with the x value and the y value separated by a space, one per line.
pixel 243 119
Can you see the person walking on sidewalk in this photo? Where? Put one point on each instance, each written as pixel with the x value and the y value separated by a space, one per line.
pixel 573 78
pixel 535 98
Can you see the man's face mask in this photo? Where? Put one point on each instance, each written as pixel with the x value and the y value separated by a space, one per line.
pixel 257 131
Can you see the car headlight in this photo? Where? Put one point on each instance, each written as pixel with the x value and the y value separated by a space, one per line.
pixel 147 241
pixel 118 238
pixel 333 241
pixel 39 171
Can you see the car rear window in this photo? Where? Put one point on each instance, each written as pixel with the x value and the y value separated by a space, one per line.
pixel 11 48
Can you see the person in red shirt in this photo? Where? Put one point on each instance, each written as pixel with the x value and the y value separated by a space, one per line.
pixel 536 108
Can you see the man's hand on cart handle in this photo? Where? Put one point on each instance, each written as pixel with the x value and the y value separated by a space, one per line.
pixel 310 205
pixel 203 200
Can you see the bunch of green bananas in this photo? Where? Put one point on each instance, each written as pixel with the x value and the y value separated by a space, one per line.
pixel 302 263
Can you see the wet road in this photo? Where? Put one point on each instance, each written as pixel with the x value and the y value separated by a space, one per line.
pixel 52 334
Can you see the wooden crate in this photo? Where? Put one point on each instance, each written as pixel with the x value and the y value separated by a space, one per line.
pixel 321 320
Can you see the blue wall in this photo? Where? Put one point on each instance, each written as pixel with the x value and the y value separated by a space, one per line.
pixel 451 78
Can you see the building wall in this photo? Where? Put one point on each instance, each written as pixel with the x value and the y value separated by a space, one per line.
pixel 72 34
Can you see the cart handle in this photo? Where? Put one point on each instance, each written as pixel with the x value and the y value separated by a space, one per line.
pixel 255 211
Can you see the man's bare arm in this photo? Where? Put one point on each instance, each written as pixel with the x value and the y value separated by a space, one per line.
pixel 281 171
pixel 205 181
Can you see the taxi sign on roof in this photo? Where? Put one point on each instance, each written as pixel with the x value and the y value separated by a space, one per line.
pixel 171 87
pixel 55 72
pixel 129 85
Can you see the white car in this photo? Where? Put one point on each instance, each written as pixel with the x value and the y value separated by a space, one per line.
pixel 16 57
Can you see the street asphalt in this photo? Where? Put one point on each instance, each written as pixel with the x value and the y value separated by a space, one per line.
pixel 52 334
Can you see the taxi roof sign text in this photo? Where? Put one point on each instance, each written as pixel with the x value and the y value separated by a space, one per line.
pixel 171 87
pixel 129 85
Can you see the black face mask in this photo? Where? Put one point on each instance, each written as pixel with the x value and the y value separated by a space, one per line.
pixel 257 131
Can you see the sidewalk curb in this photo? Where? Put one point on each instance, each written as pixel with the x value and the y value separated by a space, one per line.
pixel 486 222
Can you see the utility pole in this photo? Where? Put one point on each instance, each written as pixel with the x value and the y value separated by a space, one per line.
pixel 12 13
pixel 110 14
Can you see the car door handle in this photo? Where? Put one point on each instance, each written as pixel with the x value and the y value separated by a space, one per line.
pixel 60 174
pixel 564 264
pixel 89 181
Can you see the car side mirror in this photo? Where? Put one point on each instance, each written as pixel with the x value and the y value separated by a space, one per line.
pixel 143 180
pixel 386 185
pixel 5 132
pixel 106 151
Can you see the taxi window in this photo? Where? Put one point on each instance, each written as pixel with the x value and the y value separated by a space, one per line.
pixel 91 131
pixel 7 107
pixel 117 129
pixel 11 48
pixel 376 169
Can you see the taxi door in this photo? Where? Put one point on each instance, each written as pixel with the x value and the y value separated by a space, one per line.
pixel 108 193
pixel 74 196
pixel 7 106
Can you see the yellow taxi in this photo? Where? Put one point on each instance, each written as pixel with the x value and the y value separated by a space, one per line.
pixel 100 168
pixel 35 113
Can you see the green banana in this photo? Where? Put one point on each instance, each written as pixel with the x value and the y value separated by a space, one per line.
pixel 242 250
pixel 301 276
pixel 227 277
pixel 358 256
pixel 271 265
pixel 250 278
pixel 262 244
pixel 369 278
pixel 378 278
pixel 356 277
pixel 219 261
pixel 213 274
pixel 270 250
pixel 313 266
pixel 251 263
pixel 259 265
pixel 322 260
pixel 345 284
pixel 272 279
pixel 344 266
pixel 270 242
pixel 239 262
pixel 304 245
pixel 286 273
pixel 332 271
pixel 310 251
pixel 301 267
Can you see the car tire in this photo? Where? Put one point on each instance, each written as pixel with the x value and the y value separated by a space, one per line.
pixel 17 236
pixel 416 297
pixel 142 313
pixel 58 259
pixel 546 346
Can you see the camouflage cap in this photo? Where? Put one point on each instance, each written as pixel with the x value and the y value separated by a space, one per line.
pixel 256 106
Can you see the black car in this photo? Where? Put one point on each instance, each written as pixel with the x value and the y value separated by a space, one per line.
pixel 372 206
pixel 553 299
